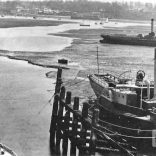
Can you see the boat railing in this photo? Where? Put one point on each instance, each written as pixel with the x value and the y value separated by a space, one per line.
pixel 100 81
pixel 102 123
pixel 111 133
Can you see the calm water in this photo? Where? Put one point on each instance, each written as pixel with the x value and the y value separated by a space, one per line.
pixel 34 39
pixel 115 58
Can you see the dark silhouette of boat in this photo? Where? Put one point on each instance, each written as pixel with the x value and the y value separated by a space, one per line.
pixel 147 40
pixel 63 61
pixel 128 107
pixel 85 25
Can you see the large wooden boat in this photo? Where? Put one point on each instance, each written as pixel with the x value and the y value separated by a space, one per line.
pixel 128 107
pixel 147 40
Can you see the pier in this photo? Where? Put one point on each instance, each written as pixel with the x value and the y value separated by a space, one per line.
pixel 78 131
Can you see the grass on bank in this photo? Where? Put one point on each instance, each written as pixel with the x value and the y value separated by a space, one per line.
pixel 13 22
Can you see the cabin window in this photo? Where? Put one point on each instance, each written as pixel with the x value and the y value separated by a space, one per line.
pixel 123 96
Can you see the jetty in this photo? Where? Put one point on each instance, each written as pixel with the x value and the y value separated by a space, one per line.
pixel 76 128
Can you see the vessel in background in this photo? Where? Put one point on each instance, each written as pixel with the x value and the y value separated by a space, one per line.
pixel 147 40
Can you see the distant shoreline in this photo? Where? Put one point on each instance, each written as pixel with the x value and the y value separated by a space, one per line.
pixel 11 22
pixel 48 59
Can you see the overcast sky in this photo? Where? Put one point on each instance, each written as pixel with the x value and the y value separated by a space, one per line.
pixel 143 1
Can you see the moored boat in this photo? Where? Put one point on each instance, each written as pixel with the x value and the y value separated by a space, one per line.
pixel 147 40
pixel 128 107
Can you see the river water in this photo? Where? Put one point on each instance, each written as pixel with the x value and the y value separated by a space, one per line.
pixel 24 124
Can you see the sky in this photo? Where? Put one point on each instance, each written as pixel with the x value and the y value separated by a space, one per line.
pixel 142 1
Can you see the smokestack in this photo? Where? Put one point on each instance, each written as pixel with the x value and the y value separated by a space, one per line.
pixel 155 74
pixel 152 25
pixel 148 89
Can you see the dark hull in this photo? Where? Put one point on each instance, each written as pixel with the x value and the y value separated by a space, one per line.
pixel 136 131
pixel 114 107
pixel 128 40
pixel 141 139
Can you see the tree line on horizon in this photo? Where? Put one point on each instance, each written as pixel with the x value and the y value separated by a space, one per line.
pixel 110 10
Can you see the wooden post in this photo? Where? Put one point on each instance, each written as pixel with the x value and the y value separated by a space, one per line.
pixel 66 124
pixel 85 108
pixel 58 81
pixel 74 127
pixel 60 118
pixel 53 123
pixel 68 98
pixel 95 119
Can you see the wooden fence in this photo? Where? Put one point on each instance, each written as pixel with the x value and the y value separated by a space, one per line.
pixel 76 131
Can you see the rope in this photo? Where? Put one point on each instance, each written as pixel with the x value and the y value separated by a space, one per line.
pixel 77 83
pixel 125 136
pixel 44 106
pixel 109 138
pixel 51 98
pixel 104 122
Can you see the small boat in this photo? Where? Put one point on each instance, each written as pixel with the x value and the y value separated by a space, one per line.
pixel 106 20
pixel 86 25
pixel 63 61
pixel 128 107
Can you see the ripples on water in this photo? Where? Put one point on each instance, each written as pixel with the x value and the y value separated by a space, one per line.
pixel 114 58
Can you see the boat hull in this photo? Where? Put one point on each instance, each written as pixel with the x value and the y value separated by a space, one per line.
pixel 128 40
pixel 137 131
pixel 102 93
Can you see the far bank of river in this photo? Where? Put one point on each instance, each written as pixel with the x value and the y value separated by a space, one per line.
pixel 42 45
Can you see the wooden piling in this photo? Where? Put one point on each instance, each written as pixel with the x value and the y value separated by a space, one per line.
pixel 74 127
pixel 58 81
pixel 84 127
pixel 93 139
pixel 68 98
pixel 66 124
pixel 53 124
pixel 85 110
pixel 95 118
pixel 60 118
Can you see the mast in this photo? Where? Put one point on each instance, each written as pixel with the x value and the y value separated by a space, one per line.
pixel 98 60
pixel 152 25
pixel 155 74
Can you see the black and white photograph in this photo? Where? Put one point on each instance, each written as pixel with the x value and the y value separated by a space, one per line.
pixel 78 77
